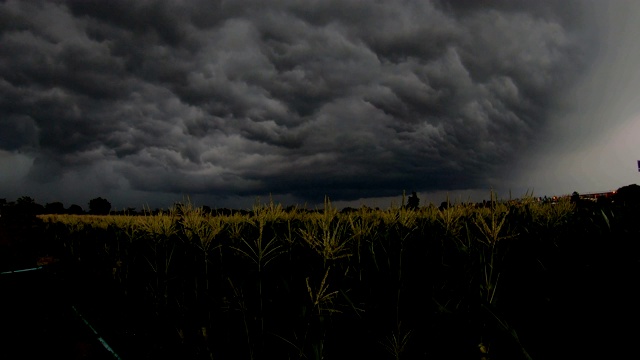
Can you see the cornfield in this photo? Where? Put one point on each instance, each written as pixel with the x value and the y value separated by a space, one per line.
pixel 465 282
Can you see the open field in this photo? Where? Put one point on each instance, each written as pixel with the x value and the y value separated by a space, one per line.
pixel 512 280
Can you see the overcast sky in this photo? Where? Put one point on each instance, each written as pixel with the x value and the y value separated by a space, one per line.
pixel 147 102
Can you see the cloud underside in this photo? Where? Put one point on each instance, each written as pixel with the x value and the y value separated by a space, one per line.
pixel 343 98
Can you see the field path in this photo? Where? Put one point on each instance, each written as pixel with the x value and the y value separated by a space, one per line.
pixel 37 320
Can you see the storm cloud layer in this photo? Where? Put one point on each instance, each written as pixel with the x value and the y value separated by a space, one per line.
pixel 349 99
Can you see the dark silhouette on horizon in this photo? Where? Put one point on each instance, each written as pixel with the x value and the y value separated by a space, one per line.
pixel 26 207
pixel 413 202
pixel 99 206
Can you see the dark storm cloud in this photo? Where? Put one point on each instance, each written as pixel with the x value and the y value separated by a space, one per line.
pixel 345 98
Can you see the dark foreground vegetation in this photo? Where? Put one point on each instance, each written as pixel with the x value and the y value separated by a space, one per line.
pixel 515 279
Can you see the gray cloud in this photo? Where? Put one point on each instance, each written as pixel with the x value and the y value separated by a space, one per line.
pixel 340 98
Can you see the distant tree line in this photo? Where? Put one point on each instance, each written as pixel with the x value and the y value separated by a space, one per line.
pixel 25 206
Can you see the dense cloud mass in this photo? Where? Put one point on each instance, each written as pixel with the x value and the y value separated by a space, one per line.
pixel 310 98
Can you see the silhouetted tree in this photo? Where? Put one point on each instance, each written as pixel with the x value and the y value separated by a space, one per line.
pixel 54 208
pixel 348 210
pixel 27 207
pixel 99 206
pixel 575 197
pixel 413 202
pixel 628 195
pixel 22 200
pixel 75 209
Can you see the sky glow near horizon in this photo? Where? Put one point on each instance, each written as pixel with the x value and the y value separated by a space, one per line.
pixel 147 103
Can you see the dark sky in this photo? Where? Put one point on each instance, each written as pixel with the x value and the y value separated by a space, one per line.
pixel 146 102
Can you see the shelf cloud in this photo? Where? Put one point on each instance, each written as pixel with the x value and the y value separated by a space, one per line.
pixel 233 99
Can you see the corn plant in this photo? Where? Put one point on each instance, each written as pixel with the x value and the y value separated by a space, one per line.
pixel 200 230
pixel 235 225
pixel 491 228
pixel 396 343
pixel 126 230
pixel 404 221
pixel 323 304
pixel 239 299
pixel 159 232
pixel 450 220
pixel 260 251
pixel 325 234
pixel 270 212
pixel 76 228
pixel 362 226
pixel 552 215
